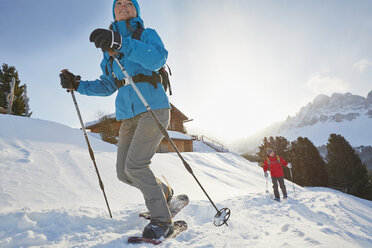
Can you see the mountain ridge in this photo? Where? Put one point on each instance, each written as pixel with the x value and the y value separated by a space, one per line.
pixel 346 114
pixel 337 108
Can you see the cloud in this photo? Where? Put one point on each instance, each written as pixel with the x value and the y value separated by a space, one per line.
pixel 327 85
pixel 361 65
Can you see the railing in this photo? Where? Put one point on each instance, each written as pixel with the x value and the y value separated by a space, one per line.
pixel 216 145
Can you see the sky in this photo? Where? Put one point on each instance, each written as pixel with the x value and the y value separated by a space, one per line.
pixel 238 66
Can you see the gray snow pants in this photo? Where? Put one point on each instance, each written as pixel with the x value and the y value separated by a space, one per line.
pixel 139 138
pixel 275 181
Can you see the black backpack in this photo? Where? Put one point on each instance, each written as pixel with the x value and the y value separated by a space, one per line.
pixel 162 71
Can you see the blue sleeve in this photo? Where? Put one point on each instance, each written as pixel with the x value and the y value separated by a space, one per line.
pixel 105 86
pixel 148 52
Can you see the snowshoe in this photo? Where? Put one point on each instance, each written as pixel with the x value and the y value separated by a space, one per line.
pixel 178 227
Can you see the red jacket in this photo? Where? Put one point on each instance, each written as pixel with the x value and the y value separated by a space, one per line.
pixel 276 169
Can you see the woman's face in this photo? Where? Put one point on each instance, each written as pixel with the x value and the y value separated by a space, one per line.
pixel 124 10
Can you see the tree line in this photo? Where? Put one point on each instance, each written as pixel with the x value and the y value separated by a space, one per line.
pixel 19 100
pixel 341 168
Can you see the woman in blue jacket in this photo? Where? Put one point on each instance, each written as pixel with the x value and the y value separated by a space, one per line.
pixel 139 135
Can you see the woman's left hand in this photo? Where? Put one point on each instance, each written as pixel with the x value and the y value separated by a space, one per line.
pixel 106 39
pixel 69 81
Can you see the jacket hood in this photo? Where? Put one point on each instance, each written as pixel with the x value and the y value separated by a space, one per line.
pixel 135 3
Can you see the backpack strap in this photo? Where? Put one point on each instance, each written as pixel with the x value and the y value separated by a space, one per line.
pixel 152 79
pixel 162 72
pixel 137 33
pixel 164 75
pixel 278 158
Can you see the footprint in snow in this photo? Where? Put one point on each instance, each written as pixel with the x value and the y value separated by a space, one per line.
pixel 285 227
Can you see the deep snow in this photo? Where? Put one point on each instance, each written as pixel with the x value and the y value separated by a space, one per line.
pixel 50 197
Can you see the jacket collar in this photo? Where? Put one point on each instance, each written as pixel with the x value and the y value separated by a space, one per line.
pixel 122 28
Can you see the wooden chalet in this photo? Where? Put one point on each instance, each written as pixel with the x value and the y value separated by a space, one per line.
pixel 3 110
pixel 176 130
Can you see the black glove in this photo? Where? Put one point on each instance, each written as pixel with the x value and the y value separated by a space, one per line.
pixel 106 39
pixel 68 80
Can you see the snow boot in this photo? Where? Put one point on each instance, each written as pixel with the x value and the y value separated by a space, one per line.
pixel 157 229
pixel 277 199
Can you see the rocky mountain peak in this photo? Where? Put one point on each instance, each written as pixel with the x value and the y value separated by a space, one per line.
pixel 369 97
pixel 336 108
pixel 321 100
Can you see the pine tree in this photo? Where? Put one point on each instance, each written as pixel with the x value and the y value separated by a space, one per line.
pixel 308 166
pixel 345 169
pixel 250 157
pixel 6 75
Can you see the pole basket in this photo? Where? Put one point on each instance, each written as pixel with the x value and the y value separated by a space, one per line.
pixel 221 217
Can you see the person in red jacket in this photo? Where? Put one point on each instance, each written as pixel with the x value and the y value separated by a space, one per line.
pixel 274 164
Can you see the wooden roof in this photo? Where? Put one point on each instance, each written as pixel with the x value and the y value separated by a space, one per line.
pixel 177 113
pixel 3 110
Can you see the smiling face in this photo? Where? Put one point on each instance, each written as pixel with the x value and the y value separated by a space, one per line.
pixel 124 10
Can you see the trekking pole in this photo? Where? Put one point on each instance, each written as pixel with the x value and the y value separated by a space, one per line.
pixel 89 147
pixel 294 191
pixel 223 214
pixel 267 191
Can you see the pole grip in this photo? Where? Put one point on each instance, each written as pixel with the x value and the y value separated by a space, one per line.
pixel 91 153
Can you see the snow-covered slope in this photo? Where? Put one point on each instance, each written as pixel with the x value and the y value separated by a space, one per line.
pixel 50 197
pixel 345 114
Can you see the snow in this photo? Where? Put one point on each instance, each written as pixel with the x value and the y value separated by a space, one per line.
pixel 178 135
pixel 199 146
pixel 50 197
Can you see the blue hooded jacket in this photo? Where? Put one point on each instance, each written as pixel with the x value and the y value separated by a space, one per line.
pixel 139 56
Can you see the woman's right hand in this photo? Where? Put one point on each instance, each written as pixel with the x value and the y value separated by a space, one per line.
pixel 69 81
pixel 106 39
